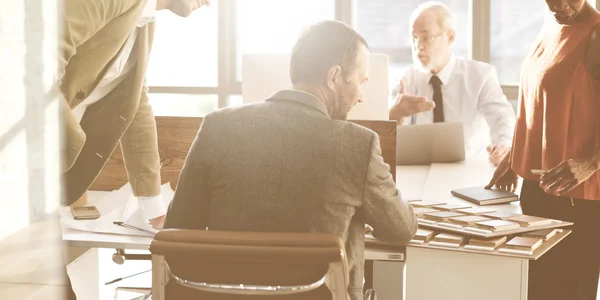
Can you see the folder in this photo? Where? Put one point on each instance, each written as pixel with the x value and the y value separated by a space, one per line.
pixel 481 196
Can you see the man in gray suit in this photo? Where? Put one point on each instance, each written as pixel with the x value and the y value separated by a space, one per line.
pixel 293 163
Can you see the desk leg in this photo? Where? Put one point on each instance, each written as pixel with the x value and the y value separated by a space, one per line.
pixel 439 274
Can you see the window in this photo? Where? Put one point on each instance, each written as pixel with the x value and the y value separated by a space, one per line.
pixel 515 25
pixel 385 26
pixel 272 26
pixel 183 105
pixel 185 50
pixel 195 64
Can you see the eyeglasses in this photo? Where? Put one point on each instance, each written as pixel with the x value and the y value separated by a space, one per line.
pixel 425 39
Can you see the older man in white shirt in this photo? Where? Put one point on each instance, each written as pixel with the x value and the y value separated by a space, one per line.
pixel 440 87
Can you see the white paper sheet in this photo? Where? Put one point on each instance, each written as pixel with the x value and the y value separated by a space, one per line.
pixel 118 205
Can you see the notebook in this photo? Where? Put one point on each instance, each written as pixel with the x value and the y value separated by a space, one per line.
pixel 500 215
pixel 480 196
pixel 524 243
pixel 441 216
pixel 493 242
pixel 468 220
pixel 544 234
pixel 452 207
pixel 497 225
pixel 475 211
pixel 529 221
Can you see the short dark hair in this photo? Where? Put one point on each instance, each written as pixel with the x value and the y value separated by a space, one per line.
pixel 322 46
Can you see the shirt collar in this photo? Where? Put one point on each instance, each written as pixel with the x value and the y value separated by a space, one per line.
pixel 446 72
pixel 301 97
pixel 148 13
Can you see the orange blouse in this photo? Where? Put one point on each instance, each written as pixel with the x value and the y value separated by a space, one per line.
pixel 559 105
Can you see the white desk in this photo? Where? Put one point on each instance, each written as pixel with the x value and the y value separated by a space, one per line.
pixel 430 273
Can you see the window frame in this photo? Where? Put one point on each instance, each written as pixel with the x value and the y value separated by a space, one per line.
pixel 345 11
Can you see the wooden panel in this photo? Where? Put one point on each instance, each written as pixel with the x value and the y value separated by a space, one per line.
pixel 387 138
pixel 175 137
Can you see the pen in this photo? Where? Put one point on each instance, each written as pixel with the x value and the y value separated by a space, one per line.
pixel 538 172
pixel 131 227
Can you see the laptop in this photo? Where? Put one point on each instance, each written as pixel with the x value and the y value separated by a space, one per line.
pixel 263 74
pixel 424 144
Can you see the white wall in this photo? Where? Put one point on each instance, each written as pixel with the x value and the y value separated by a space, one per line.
pixel 29 154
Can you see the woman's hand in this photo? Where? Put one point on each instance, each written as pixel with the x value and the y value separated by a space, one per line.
pixel 568 175
pixel 504 178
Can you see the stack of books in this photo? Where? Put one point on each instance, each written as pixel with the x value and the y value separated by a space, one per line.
pixel 427 203
pixel 544 234
pixel 447 240
pixel 522 244
pixel 500 215
pixel 476 211
pixel 419 211
pixel 485 244
pixel 468 220
pixel 451 207
pixel 497 225
pixel 422 236
pixel 529 221
pixel 441 216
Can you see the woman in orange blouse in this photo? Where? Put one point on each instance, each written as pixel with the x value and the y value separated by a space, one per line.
pixel 558 130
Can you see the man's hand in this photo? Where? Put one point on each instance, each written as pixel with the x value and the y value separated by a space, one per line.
pixel 504 178
pixel 497 153
pixel 568 175
pixel 407 105
pixel 158 222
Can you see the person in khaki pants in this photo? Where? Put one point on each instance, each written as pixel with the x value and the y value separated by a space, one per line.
pixel 103 55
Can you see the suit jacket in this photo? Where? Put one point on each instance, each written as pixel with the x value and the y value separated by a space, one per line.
pixel 94 33
pixel 283 165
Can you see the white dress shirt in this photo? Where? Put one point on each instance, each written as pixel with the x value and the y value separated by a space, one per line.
pixel 472 95
pixel 151 207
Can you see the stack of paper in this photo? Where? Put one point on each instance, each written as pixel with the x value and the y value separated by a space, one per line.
pixel 115 206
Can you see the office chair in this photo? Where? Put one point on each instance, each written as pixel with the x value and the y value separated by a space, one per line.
pixel 199 264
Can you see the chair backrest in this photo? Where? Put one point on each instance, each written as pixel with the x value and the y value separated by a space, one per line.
pixel 205 264
pixel 175 137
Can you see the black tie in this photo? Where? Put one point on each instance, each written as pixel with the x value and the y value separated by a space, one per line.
pixel 438 111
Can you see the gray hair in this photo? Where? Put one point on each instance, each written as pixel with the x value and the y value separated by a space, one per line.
pixel 446 18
